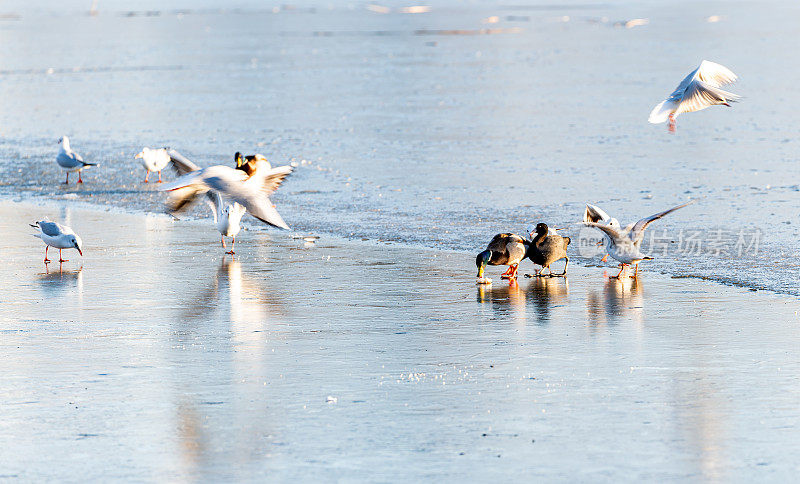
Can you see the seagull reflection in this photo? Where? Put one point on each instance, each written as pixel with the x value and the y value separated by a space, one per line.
pixel 236 311
pixel 56 283
pixel 505 300
pixel 545 293
pixel 234 292
pixel 620 298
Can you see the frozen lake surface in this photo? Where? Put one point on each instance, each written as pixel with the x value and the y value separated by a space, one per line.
pixel 434 129
pixel 157 359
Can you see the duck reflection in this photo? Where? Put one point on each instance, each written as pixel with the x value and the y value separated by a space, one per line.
pixel 621 298
pixel 545 293
pixel 505 299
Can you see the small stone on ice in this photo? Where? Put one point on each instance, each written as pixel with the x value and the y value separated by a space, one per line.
pixel 331 399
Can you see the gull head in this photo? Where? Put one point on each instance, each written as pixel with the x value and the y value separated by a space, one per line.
pixel 141 153
pixel 63 140
pixel 76 243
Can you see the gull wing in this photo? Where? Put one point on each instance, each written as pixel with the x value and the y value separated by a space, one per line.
pixel 714 74
pixel 637 230
pixel 700 95
pixel 50 228
pixel 181 164
pixel 594 213
pixel 613 233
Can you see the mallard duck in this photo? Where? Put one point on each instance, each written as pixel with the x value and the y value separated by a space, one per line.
pixel 504 249
pixel 57 236
pixel 697 91
pixel 69 160
pixel 153 160
pixel 547 247
pixel 623 244
pixel 248 163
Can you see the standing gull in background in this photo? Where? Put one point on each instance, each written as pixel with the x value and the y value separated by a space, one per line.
pixel 154 160
pixel 70 161
pixel 596 214
pixel 623 245
pixel 699 90
pixel 228 217
pixel 58 236
pixel 252 192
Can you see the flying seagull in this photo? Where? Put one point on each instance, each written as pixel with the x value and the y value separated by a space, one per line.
pixel 699 90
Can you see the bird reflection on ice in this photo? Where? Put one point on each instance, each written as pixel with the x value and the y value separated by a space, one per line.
pixel 57 282
pixel 239 357
pixel 620 298
pixel 505 299
pixel 545 293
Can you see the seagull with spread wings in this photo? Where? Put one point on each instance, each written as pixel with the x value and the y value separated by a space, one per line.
pixel 697 91
pixel 252 192
pixel 624 244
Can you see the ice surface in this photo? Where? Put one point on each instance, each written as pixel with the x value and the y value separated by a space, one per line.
pixel 157 358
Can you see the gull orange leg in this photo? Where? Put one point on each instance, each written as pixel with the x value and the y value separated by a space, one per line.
pixel 233 243
pixel 672 123
pixel 636 272
pixel 159 176
pixel 61 258
pixel 67 182
pixel 146 176
pixel 46 260
pixel 223 241
pixel 80 178
pixel 621 268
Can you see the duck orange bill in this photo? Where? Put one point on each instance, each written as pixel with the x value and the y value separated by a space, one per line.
pixel 604 258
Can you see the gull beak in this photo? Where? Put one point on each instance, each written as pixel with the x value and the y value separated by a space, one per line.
pixel 138 155
pixel 79 251
pixel 605 257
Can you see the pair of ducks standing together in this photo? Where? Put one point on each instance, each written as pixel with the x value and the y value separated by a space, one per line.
pixel 543 249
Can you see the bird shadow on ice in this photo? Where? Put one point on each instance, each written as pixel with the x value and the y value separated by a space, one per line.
pixel 620 298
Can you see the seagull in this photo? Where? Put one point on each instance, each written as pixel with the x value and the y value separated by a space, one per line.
pixel 69 160
pixel 252 191
pixel 154 160
pixel 58 236
pixel 699 90
pixel 594 213
pixel 546 248
pixel 227 216
pixel 503 249
pixel 623 245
